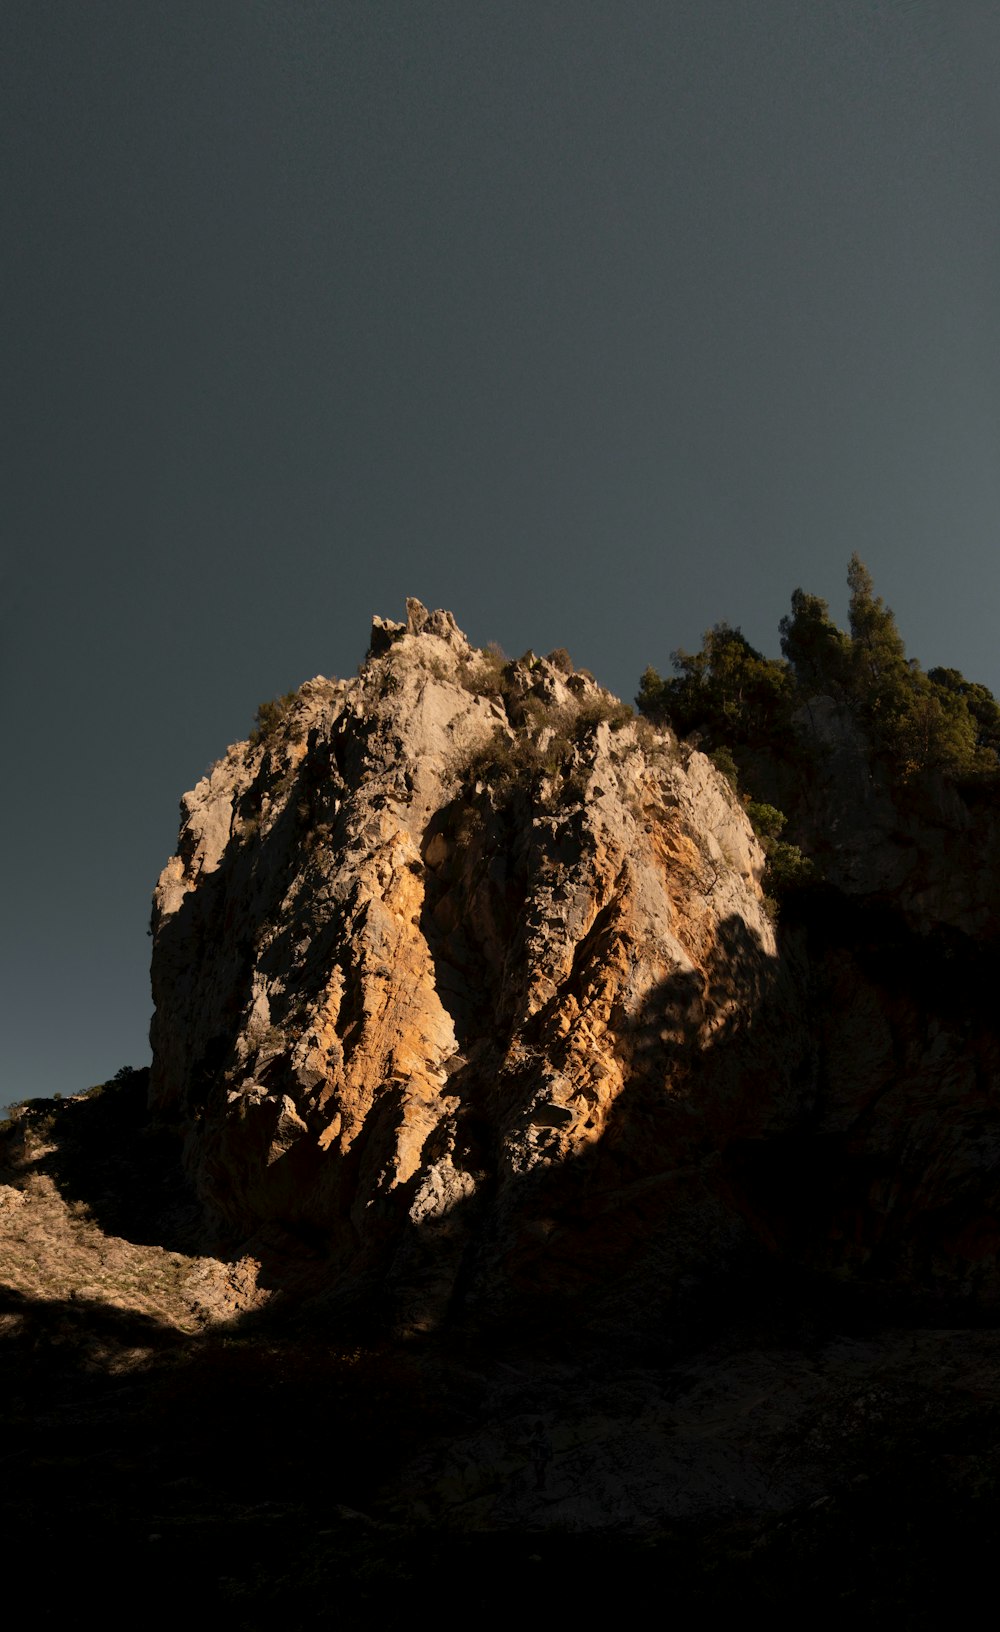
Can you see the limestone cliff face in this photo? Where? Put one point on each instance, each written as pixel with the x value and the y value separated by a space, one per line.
pixel 406 954
pixel 466 975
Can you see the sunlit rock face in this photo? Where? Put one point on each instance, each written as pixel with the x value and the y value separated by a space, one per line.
pixel 465 975
pixel 419 945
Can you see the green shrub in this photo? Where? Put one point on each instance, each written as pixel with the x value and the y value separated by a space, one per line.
pixel 561 660
pixel 504 760
pixel 547 737
pixel 599 709
pixel 489 674
pixel 121 1079
pixel 787 867
pixel 728 691
pixel 766 821
pixel 270 717
pixel 724 762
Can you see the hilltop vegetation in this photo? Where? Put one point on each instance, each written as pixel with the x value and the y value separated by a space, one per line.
pixel 915 721
pixel 754 715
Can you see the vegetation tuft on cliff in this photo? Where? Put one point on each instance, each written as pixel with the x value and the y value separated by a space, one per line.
pixel 754 715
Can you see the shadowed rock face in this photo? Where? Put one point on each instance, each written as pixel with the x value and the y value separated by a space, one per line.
pixel 468 974
pixel 923 848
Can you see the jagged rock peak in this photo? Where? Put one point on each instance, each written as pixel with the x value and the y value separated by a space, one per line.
pixel 414 946
pixel 419 621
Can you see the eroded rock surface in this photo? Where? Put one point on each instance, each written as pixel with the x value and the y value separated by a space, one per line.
pixel 466 975
pixel 601 1213
pixel 420 943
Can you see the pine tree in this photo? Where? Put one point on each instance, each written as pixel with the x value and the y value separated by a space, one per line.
pixel 878 656
pixel 728 691
pixel 818 651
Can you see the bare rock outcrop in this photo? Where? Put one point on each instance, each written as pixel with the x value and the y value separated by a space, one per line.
pixel 466 975
pixel 409 955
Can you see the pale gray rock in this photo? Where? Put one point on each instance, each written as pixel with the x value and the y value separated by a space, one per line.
pixel 470 974
pixel 447 858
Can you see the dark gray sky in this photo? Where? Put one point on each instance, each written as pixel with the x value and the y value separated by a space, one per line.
pixel 593 322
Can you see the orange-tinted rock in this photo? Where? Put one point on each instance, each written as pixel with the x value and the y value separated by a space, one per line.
pixel 469 972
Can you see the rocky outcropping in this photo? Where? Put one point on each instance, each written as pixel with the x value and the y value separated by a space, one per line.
pixel 472 1020
pixel 466 976
pixel 409 953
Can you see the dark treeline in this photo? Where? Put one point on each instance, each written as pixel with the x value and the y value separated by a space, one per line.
pixel 749 712
pixel 918 721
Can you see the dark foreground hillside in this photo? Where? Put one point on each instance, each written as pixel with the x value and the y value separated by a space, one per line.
pixel 176 1444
